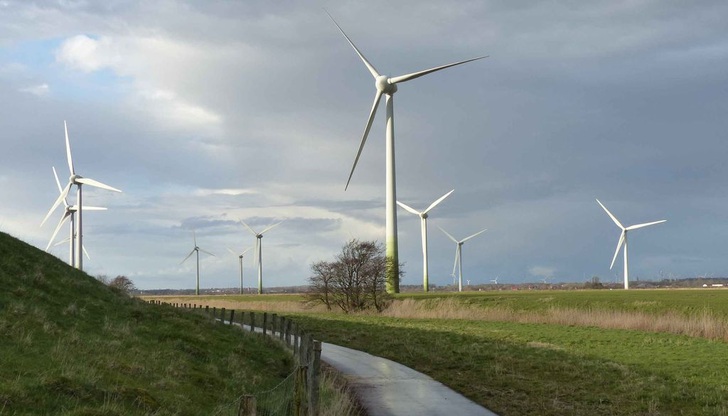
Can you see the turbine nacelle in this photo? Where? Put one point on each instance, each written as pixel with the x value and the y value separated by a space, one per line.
pixel 385 85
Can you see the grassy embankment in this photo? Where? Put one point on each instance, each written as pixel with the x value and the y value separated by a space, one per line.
pixel 535 353
pixel 71 346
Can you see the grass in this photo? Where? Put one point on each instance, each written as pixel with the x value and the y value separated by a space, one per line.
pixel 72 346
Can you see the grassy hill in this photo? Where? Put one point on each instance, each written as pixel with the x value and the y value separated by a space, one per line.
pixel 70 345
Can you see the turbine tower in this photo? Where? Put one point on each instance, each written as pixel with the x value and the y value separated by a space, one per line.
pixel 259 251
pixel 77 180
pixel 387 86
pixel 68 214
pixel 240 256
pixel 459 255
pixel 423 225
pixel 196 250
pixel 623 241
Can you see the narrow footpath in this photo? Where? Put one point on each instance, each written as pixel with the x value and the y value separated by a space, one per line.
pixel 387 388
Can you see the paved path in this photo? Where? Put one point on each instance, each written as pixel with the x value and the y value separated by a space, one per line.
pixel 387 388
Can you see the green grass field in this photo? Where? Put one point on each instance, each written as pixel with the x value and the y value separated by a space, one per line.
pixel 70 345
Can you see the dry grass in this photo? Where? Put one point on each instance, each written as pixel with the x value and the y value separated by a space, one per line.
pixel 703 324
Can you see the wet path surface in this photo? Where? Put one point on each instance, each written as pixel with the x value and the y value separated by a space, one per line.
pixel 386 388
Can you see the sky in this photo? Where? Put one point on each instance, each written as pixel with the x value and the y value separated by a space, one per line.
pixel 207 112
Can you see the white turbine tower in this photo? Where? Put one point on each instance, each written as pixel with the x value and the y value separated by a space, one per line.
pixel 423 225
pixel 459 255
pixel 387 86
pixel 240 257
pixel 196 250
pixel 623 241
pixel 68 214
pixel 259 251
pixel 77 180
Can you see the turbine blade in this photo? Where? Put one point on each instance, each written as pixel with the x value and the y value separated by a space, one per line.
pixel 457 256
pixel 232 252
pixel 248 227
pixel 366 134
pixel 616 221
pixel 478 233
pixel 647 224
pixel 188 256
pixel 60 198
pixel 405 78
pixel 68 150
pixel 85 252
pixel 271 227
pixel 85 208
pixel 60 189
pixel 194 237
pixel 246 250
pixel 434 204
pixel 408 208
pixel 58 227
pixel 206 252
pixel 370 67
pixel 448 234
pixel 97 184
pixel 619 245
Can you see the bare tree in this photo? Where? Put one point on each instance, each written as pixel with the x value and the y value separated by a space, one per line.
pixel 123 284
pixel 354 281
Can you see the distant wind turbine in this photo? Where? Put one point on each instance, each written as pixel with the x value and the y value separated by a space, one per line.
pixel 68 214
pixel 387 86
pixel 77 180
pixel 259 251
pixel 240 256
pixel 494 281
pixel 423 225
pixel 623 241
pixel 459 255
pixel 196 250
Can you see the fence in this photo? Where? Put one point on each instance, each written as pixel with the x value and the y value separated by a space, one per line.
pixel 298 394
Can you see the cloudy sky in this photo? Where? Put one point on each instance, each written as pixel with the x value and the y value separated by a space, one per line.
pixel 206 112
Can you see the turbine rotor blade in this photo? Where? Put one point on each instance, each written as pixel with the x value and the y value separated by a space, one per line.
pixel 457 256
pixel 60 189
pixel 372 113
pixel 408 208
pixel 188 256
pixel 448 234
pixel 66 215
pixel 60 198
pixel 68 150
pixel 619 245
pixel 369 66
pixel 478 233
pixel 616 221
pixel 85 252
pixel 231 251
pixel 85 208
pixel 206 252
pixel 647 224
pixel 271 227
pixel 248 227
pixel 246 250
pixel 97 184
pixel 434 204
pixel 405 78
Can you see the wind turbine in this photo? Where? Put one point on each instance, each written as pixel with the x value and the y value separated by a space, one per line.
pixel 423 225
pixel 623 241
pixel 459 255
pixel 77 180
pixel 494 281
pixel 196 250
pixel 240 256
pixel 259 251
pixel 68 214
pixel 387 86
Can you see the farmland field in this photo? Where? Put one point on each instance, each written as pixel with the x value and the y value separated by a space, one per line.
pixel 503 350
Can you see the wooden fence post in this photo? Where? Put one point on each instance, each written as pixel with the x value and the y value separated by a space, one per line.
pixel 314 370
pixel 247 406
pixel 214 312
pixel 299 392
pixel 222 315
pixel 273 322
pixel 296 338
pixel 265 322
pixel 289 325
pixel 281 329
pixel 252 321
pixel 207 310
pixel 232 316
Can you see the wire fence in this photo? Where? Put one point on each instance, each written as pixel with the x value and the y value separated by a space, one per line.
pixel 298 393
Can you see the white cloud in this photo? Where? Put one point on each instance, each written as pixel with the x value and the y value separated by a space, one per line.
pixel 39 90
pixel 87 54
pixel 542 271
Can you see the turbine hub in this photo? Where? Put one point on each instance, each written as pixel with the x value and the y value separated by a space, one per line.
pixel 424 215
pixel 382 83
pixel 74 179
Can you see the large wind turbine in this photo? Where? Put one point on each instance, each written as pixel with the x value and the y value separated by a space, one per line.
pixel 196 250
pixel 423 225
pixel 77 180
pixel 259 251
pixel 459 255
pixel 387 86
pixel 68 214
pixel 240 256
pixel 623 241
